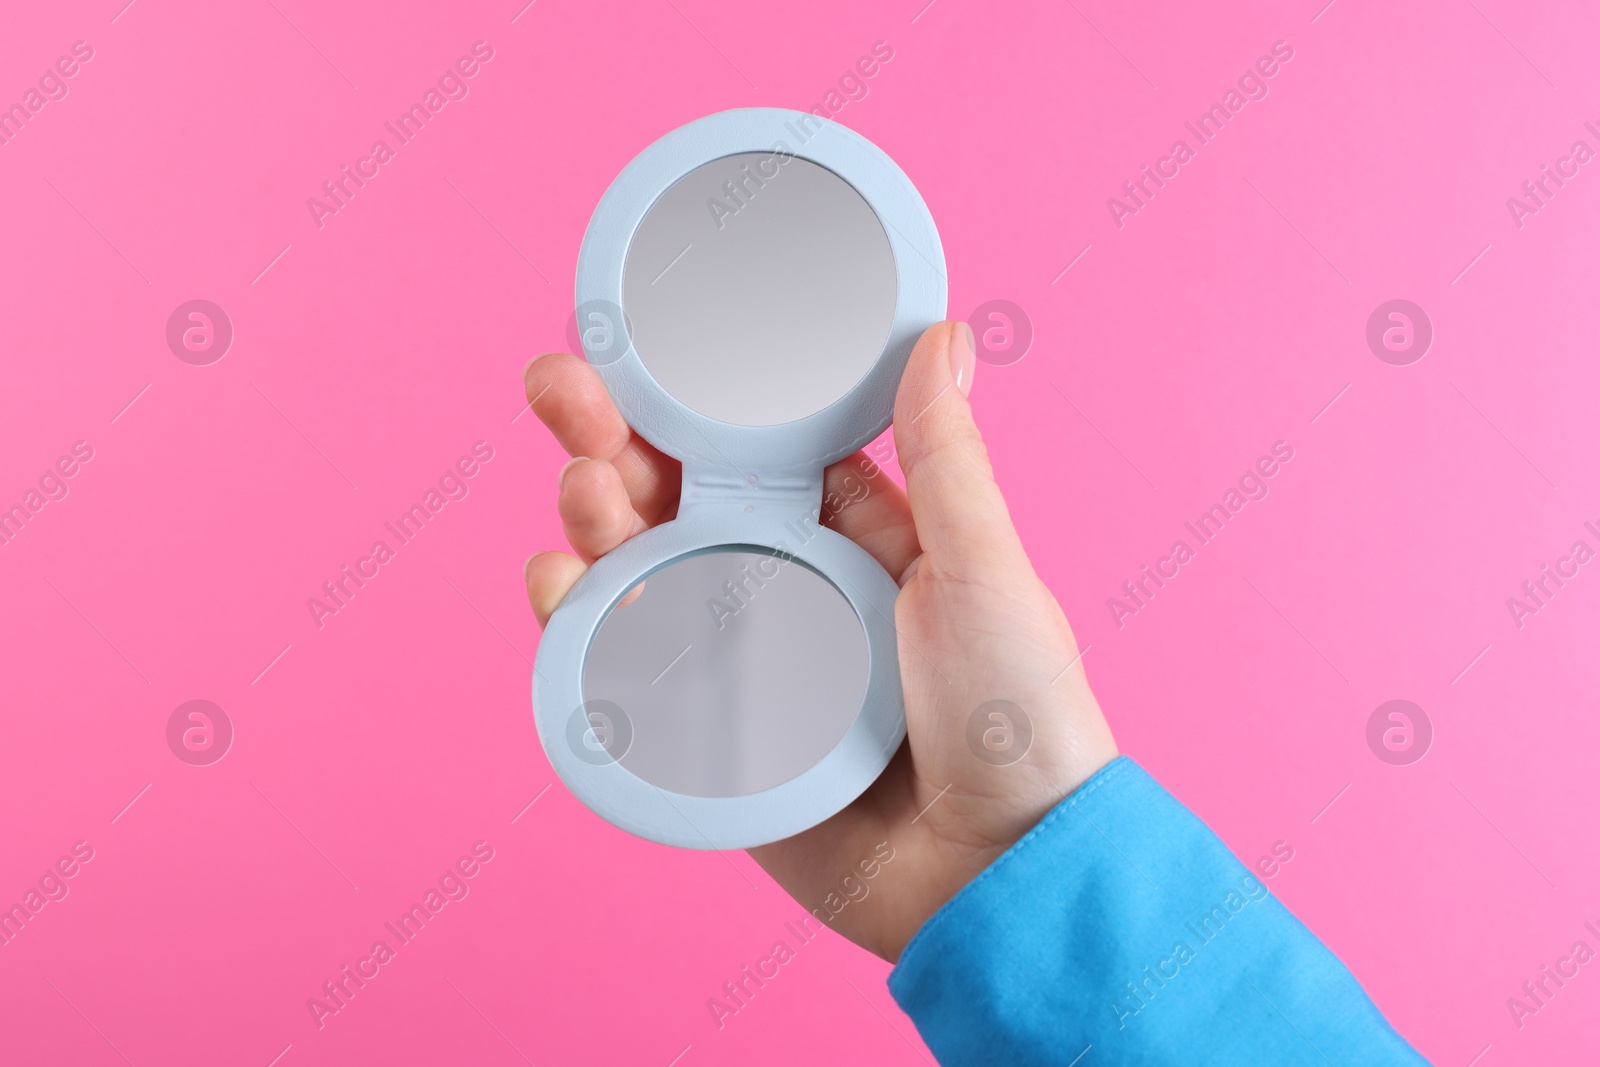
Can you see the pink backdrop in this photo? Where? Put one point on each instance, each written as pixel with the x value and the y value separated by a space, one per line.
pixel 372 352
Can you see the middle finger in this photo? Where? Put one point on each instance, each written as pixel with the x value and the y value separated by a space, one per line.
pixel 595 510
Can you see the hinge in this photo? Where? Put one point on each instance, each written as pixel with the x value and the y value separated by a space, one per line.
pixel 748 490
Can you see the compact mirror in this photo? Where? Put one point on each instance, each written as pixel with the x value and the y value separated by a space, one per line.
pixel 749 289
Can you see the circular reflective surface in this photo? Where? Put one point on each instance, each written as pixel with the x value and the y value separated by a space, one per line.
pixel 759 288
pixel 734 671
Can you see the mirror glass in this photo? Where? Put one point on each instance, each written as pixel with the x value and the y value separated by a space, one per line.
pixel 760 288
pixel 732 671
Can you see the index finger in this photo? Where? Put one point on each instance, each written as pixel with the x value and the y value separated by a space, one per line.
pixel 569 398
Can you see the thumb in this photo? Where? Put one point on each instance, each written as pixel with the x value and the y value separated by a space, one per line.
pixel 961 518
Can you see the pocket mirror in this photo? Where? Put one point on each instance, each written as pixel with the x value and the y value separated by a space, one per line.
pixel 749 289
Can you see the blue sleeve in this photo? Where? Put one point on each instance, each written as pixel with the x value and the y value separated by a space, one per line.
pixel 1120 930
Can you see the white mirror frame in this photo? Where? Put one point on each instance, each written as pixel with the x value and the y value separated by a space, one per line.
pixel 743 485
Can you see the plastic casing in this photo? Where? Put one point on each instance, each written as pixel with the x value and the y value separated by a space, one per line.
pixel 743 486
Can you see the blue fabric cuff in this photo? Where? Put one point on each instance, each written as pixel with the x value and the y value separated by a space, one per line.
pixel 1122 930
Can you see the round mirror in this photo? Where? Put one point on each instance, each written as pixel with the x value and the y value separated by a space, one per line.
pixel 760 288
pixel 730 672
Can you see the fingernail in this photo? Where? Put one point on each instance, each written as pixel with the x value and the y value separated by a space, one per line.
pixel 562 477
pixel 963 357
pixel 528 365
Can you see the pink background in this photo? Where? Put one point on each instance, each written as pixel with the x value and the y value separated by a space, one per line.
pixel 371 753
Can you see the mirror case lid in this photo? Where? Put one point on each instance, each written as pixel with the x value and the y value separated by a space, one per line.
pixel 724 458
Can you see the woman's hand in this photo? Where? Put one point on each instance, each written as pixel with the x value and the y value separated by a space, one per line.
pixel 974 622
